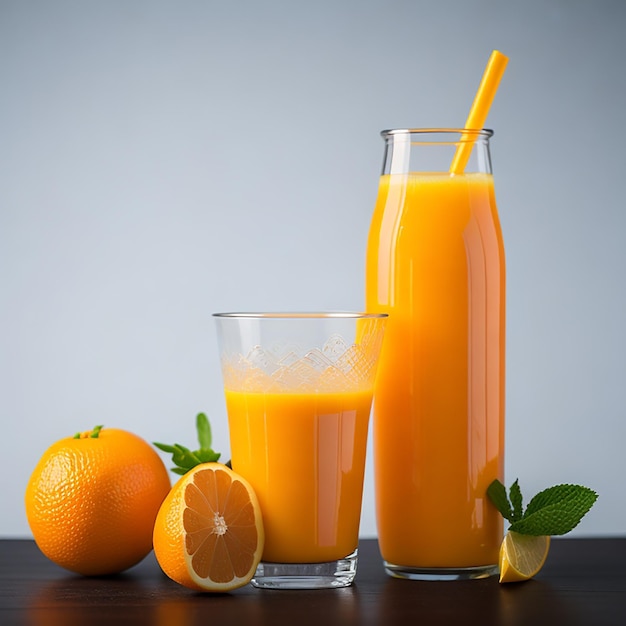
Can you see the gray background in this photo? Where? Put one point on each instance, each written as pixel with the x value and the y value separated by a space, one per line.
pixel 160 161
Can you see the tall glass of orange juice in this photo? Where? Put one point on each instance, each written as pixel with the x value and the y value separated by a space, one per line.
pixel 435 265
pixel 298 390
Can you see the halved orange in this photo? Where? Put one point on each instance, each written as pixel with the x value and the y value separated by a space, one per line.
pixel 208 534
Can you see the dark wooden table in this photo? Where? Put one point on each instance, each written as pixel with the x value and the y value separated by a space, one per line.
pixel 583 582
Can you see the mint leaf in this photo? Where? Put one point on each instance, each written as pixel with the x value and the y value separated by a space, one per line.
pixel 553 511
pixel 556 494
pixel 497 494
pixel 516 500
pixel 556 510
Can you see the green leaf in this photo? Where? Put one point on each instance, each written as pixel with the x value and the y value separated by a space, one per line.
pixel 497 494
pixel 516 500
pixel 553 511
pixel 186 459
pixel 556 510
pixel 204 431
pixel 556 494
pixel 94 433
pixel 207 456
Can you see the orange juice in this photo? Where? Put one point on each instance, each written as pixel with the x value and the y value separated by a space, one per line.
pixel 304 455
pixel 435 264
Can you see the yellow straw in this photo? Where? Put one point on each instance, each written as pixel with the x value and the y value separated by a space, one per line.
pixel 480 108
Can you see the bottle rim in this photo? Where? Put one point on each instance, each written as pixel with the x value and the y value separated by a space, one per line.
pixel 470 134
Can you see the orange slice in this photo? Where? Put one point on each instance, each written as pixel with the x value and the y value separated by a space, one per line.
pixel 208 534
pixel 522 556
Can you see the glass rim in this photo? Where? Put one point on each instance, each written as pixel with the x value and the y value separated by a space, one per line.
pixel 299 315
pixel 473 132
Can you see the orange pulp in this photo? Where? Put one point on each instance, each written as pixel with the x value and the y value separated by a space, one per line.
pixel 435 264
pixel 304 455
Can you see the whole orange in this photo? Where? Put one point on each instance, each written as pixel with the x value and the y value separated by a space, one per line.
pixel 92 500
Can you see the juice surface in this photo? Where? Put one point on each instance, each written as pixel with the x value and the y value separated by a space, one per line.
pixel 435 264
pixel 304 455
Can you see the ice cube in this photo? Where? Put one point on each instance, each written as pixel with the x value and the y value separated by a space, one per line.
pixel 334 347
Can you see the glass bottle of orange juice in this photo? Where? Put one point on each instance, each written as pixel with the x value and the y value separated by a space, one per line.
pixel 435 264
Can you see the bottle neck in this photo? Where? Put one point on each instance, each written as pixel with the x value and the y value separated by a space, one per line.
pixel 433 150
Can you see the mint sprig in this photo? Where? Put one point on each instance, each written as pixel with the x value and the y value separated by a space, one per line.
pixel 553 511
pixel 186 459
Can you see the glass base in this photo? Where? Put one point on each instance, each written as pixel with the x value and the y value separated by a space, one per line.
pixel 328 575
pixel 440 573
